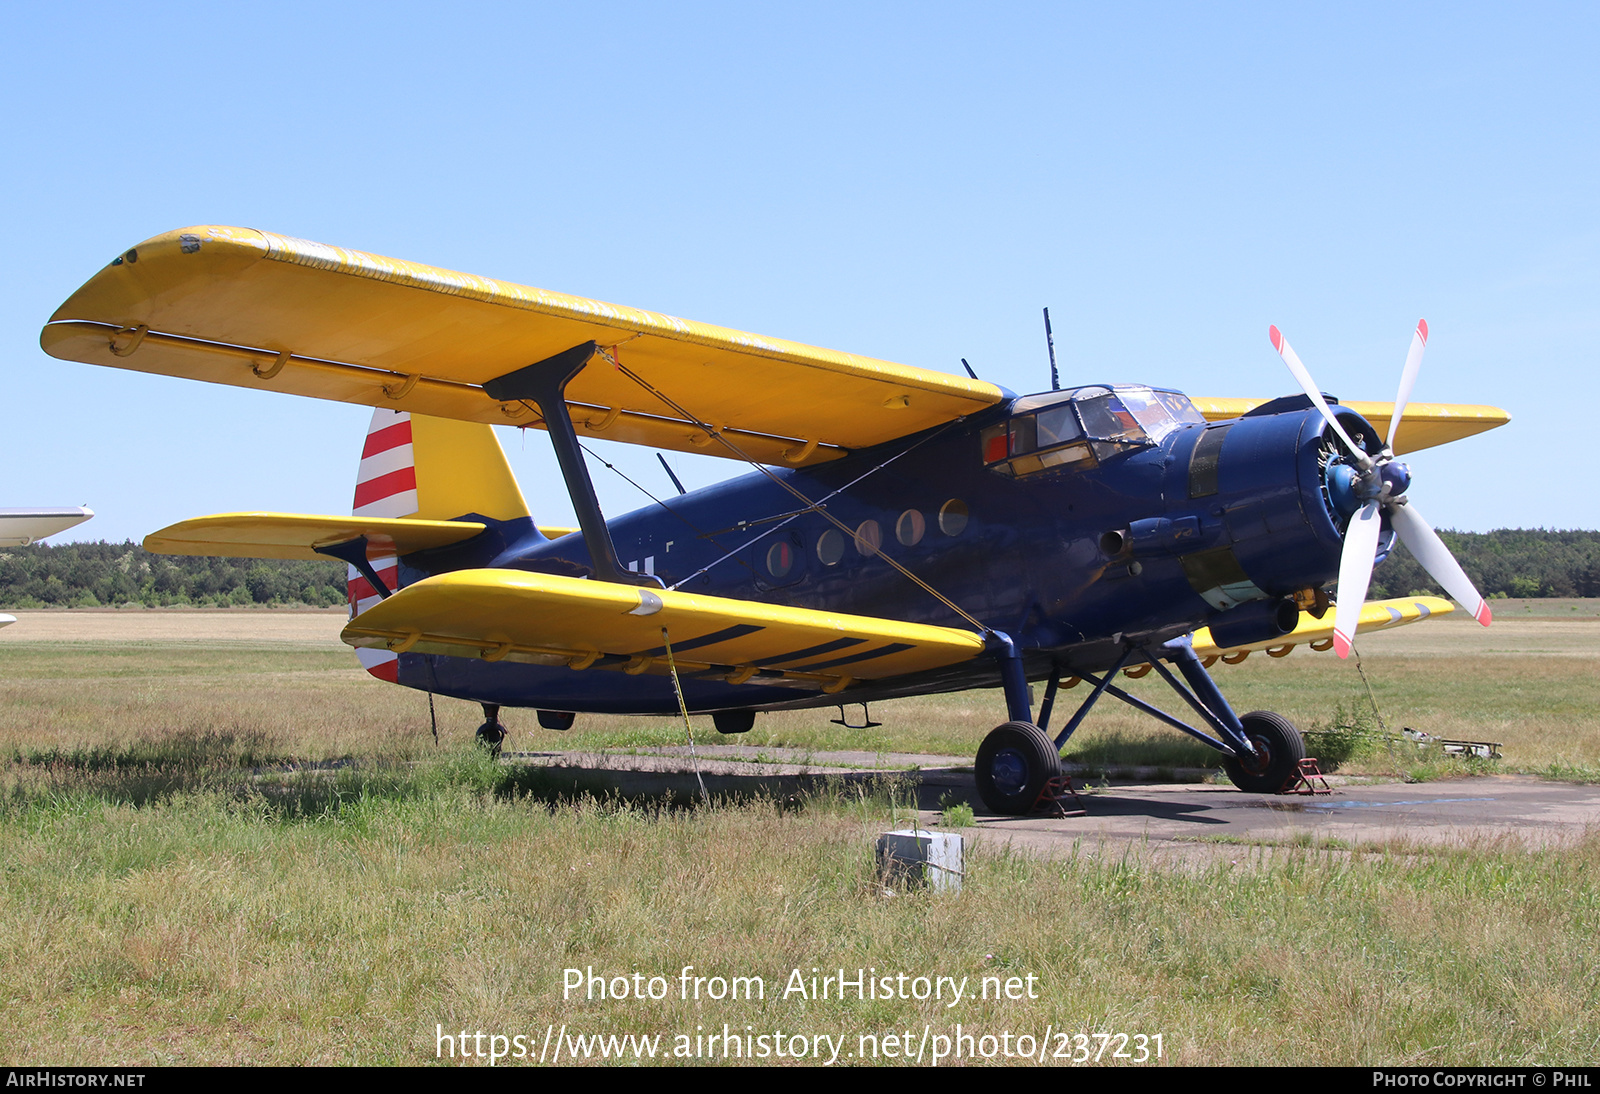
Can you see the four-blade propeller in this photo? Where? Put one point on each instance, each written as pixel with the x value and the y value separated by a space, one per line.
pixel 1380 483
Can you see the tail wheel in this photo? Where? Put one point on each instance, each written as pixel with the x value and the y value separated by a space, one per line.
pixel 490 736
pixel 1279 750
pixel 1014 763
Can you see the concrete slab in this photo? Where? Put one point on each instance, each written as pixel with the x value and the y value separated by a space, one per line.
pixel 1184 820
pixel 1459 812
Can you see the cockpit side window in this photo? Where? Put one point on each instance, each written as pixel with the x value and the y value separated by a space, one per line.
pixel 1029 443
pixel 1057 426
pixel 1024 434
pixel 1183 411
pixel 1107 418
pixel 1082 426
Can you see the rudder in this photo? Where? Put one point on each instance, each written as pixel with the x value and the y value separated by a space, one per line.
pixel 426 469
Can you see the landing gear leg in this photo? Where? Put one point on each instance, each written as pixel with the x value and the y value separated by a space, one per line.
pixel 1263 750
pixel 491 734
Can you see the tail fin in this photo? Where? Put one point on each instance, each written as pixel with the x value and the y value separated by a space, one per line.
pixel 427 469
pixel 434 469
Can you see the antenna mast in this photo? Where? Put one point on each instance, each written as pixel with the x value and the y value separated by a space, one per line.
pixel 1050 340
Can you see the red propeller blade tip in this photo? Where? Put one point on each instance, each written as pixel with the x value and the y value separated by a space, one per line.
pixel 1484 616
pixel 1277 339
pixel 1341 644
pixel 1422 330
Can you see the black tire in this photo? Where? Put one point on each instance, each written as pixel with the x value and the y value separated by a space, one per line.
pixel 1280 750
pixel 1014 763
pixel 490 736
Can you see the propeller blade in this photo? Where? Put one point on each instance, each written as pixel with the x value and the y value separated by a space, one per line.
pixel 1355 574
pixel 1303 375
pixel 1408 379
pixel 1429 550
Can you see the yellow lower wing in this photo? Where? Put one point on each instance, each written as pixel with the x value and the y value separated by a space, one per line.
pixel 548 620
pixel 1318 633
pixel 291 535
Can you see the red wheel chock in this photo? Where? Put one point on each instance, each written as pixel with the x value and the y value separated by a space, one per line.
pixel 1307 779
pixel 1055 795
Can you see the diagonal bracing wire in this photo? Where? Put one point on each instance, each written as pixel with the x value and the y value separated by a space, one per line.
pixel 712 431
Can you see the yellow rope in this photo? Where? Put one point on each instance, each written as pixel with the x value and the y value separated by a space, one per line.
pixel 683 707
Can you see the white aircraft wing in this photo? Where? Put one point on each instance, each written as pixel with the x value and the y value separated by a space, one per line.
pixel 20 527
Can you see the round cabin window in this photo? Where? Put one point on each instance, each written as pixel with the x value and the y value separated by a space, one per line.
pixel 953 517
pixel 909 529
pixel 830 547
pixel 780 559
pixel 869 538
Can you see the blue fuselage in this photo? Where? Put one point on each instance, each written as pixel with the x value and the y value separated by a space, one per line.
pixel 1138 544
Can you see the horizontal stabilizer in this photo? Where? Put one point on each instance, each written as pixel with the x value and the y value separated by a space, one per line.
pixel 1318 633
pixel 292 535
pixel 549 620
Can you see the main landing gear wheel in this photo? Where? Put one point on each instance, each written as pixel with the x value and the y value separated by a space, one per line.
pixel 1279 750
pixel 491 734
pixel 1015 762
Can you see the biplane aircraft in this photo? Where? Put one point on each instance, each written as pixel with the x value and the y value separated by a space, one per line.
pixel 902 531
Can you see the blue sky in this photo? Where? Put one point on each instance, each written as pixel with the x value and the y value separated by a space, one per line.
pixel 908 181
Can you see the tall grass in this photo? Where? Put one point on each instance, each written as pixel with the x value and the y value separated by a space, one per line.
pixel 216 857
pixel 342 925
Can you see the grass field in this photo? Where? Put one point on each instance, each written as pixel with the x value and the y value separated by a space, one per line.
pixel 279 685
pixel 238 848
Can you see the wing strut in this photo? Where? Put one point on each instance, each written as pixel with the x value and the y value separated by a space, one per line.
pixel 545 384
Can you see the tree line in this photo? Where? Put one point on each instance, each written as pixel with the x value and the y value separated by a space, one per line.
pixel 1521 562
pixel 91 575
pixel 1518 562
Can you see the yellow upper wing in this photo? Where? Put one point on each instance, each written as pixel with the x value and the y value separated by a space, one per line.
pixel 253 309
pixel 1424 424
pixel 551 620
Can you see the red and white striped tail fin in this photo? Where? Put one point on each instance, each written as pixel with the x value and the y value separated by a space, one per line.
pixel 386 483
pixel 386 486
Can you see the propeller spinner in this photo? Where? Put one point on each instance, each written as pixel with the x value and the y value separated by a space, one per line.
pixel 1378 484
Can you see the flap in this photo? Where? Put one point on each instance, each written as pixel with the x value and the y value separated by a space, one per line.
pixel 292 535
pixel 546 619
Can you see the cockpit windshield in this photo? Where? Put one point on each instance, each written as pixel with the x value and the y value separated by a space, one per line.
pixel 1083 426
